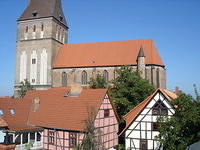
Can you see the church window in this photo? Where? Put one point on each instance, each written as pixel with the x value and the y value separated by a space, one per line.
pixel 159 109
pixel 72 139
pixel 105 75
pixel 64 79
pixel 157 77
pixel 34 28
pixel 26 29
pixel 42 27
pixel 33 80
pixel 143 144
pixel 84 78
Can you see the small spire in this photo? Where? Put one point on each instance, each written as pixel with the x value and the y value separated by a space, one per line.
pixel 141 52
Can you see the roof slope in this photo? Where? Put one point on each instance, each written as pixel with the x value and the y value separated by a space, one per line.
pixel 57 111
pixel 106 54
pixel 43 8
pixel 18 121
pixel 132 115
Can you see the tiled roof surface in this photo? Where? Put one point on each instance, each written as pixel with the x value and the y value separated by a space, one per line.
pixel 21 109
pixel 132 115
pixel 55 109
pixel 106 54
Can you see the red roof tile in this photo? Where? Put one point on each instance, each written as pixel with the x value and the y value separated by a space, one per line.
pixel 106 54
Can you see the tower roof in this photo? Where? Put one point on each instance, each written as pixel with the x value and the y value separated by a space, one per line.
pixel 43 9
pixel 141 52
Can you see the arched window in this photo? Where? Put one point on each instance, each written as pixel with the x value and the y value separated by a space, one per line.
pixel 26 29
pixel 64 79
pixel 158 77
pixel 84 78
pixel 34 28
pixel 105 75
pixel 42 27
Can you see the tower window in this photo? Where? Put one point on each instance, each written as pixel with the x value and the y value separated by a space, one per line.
pixel 34 28
pixel 84 78
pixel 42 27
pixel 34 14
pixel 61 18
pixel 26 29
pixel 34 61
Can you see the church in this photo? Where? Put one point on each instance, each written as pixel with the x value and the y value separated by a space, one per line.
pixel 46 59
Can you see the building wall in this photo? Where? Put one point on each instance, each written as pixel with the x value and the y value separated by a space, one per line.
pixel 142 127
pixel 107 129
pixel 155 74
pixel 37 37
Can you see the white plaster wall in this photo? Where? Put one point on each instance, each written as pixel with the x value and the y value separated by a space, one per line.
pixel 2 136
pixel 23 69
pixel 43 67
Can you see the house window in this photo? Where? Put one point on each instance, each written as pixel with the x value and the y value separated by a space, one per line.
pixel 34 61
pixel 1 112
pixel 105 75
pixel 106 113
pixel 159 109
pixel 84 78
pixel 64 79
pixel 51 137
pixel 143 144
pixel 72 139
pixel 156 125
pixel 12 111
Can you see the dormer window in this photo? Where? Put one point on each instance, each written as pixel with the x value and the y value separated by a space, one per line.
pixel 1 112
pixel 12 111
pixel 34 14
pixel 61 18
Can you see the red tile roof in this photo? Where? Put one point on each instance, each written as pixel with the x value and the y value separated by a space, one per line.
pixel 21 108
pixel 57 111
pixel 132 115
pixel 106 54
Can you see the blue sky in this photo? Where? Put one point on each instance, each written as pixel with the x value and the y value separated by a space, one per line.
pixel 174 25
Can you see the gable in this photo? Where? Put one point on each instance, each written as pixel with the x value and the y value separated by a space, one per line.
pixel 147 115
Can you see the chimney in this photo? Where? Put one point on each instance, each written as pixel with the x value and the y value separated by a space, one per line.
pixel 75 90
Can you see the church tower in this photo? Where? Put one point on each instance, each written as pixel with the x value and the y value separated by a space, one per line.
pixel 41 30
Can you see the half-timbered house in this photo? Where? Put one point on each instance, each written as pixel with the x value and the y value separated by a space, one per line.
pixel 62 115
pixel 141 131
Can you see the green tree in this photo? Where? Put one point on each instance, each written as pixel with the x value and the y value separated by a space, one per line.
pixel 129 89
pixel 98 82
pixel 183 128
pixel 24 88
pixel 92 139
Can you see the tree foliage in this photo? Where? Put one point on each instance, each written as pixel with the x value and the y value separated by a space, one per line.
pixel 98 82
pixel 92 139
pixel 183 128
pixel 24 88
pixel 129 89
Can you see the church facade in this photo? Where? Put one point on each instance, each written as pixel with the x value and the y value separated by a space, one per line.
pixel 45 59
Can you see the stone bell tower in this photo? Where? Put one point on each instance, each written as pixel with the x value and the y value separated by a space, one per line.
pixel 41 30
